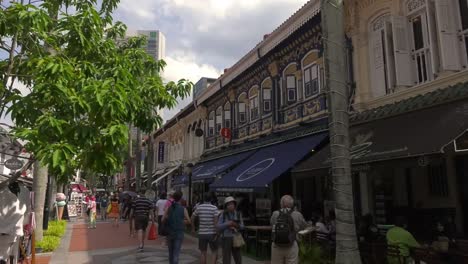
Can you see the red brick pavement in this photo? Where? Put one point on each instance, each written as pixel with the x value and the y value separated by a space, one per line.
pixel 106 237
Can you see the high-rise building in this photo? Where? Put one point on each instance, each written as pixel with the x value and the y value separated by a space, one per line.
pixel 156 43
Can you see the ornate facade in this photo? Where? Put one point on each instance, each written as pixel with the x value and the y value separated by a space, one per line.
pixel 282 89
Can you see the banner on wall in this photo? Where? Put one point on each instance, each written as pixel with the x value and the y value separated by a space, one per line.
pixel 161 152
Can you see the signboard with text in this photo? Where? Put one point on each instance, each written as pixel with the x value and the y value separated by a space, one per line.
pixel 161 152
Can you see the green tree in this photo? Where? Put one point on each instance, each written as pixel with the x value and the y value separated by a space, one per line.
pixel 85 82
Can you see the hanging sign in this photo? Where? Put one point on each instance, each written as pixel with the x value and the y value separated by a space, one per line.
pixel 13 164
pixel 161 152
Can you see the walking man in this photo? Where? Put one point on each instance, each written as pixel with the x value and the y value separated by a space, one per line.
pixel 141 212
pixel 286 223
pixel 207 219
pixel 160 206
pixel 176 217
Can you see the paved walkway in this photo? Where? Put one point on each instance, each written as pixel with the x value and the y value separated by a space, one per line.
pixel 111 245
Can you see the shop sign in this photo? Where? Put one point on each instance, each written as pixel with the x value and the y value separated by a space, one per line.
pixel 13 164
pixel 256 169
pixel 161 152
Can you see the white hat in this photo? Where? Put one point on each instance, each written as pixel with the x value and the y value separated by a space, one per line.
pixel 229 199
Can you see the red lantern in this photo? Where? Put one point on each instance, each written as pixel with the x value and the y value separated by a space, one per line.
pixel 225 133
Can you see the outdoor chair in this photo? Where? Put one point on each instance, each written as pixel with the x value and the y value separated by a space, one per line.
pixel 393 252
pixel 426 255
pixel 462 245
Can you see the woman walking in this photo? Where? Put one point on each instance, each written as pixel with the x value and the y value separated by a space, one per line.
pixel 230 223
pixel 175 217
pixel 114 211
pixel 92 212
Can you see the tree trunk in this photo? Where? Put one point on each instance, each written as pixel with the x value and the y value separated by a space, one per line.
pixel 52 193
pixel 129 159
pixel 138 162
pixel 39 189
pixel 347 250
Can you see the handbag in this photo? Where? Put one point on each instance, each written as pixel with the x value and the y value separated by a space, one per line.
pixel 238 240
pixel 152 232
pixel 109 208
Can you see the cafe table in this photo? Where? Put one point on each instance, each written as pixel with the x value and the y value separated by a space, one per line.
pixel 258 230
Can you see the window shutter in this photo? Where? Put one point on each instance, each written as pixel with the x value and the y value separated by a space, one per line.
pixel 403 62
pixel 447 31
pixel 377 64
pixel 389 55
pixel 431 24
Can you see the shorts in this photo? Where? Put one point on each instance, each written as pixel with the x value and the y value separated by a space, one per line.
pixel 204 240
pixel 141 222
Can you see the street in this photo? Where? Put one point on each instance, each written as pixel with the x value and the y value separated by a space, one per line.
pixel 110 245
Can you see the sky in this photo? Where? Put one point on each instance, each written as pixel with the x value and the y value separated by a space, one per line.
pixel 203 37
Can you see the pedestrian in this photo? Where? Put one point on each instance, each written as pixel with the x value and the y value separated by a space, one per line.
pixel 141 212
pixel 115 210
pixel 160 206
pixel 207 215
pixel 230 223
pixel 131 219
pixel 285 224
pixel 399 237
pixel 104 205
pixel 92 212
pixel 121 196
pixel 176 217
pixel 170 199
pixel 87 201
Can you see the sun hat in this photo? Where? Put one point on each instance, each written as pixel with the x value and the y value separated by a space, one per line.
pixel 229 199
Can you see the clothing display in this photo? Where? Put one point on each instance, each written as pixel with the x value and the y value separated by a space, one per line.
pixel 12 218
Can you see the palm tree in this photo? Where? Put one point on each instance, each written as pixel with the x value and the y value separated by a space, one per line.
pixel 347 250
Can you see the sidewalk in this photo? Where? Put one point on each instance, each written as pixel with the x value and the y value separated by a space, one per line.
pixel 110 245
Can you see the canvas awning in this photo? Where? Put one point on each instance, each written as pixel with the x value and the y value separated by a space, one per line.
pixel 169 172
pixel 413 134
pixel 209 169
pixel 268 163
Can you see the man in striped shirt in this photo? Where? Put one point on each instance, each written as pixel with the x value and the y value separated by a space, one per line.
pixel 208 216
pixel 141 212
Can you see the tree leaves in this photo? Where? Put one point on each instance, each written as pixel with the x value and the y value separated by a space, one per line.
pixel 88 84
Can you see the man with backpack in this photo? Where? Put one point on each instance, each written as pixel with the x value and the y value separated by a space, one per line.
pixel 286 223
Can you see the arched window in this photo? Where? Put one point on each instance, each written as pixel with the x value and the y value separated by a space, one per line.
pixel 253 103
pixel 266 88
pixel 227 115
pixel 311 73
pixel 289 84
pixel 242 108
pixel 219 119
pixel 211 123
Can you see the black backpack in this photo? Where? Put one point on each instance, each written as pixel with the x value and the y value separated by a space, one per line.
pixel 285 234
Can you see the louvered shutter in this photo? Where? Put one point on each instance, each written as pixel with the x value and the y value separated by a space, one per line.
pixel 447 33
pixel 377 64
pixel 403 62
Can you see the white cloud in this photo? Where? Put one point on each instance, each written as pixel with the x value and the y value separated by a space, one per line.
pixel 185 67
pixel 205 36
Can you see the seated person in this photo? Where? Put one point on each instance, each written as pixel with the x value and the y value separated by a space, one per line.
pixel 323 233
pixel 368 231
pixel 400 237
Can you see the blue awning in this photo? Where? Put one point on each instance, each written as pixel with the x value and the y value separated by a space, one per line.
pixel 212 168
pixel 180 181
pixel 255 173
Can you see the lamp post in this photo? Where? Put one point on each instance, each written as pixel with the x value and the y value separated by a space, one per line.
pixel 189 168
